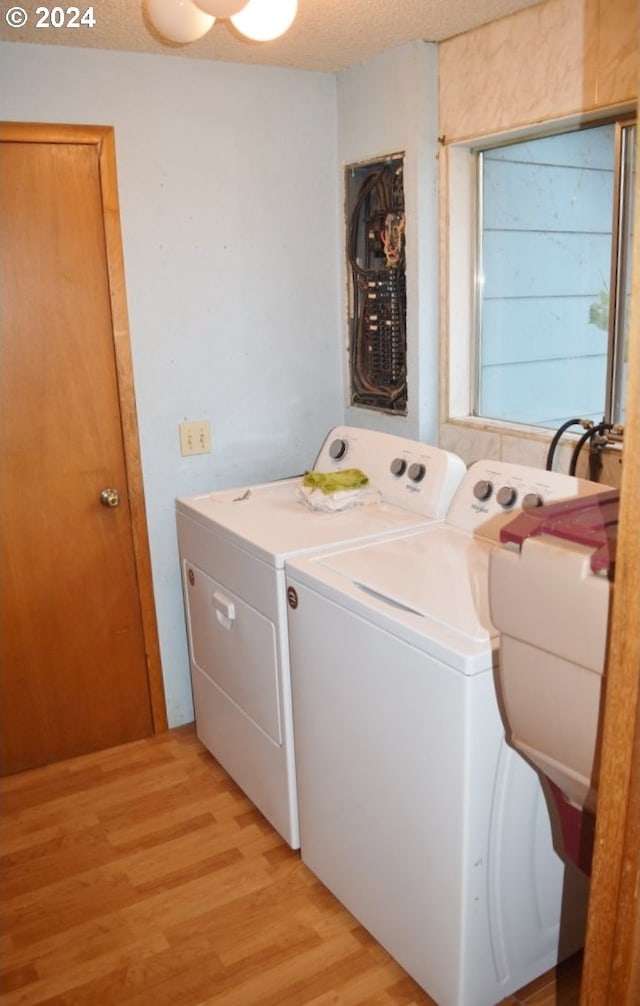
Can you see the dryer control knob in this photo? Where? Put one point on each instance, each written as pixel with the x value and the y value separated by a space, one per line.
pixel 417 471
pixel 482 490
pixel 398 467
pixel 507 496
pixel 532 500
pixel 338 449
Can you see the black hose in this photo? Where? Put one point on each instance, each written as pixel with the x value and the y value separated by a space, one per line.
pixel 591 432
pixel 556 439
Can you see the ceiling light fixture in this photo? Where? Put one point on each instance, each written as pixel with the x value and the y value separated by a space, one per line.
pixel 188 20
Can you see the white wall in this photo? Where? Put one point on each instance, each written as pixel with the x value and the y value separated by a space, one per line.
pixel 231 228
pixel 389 105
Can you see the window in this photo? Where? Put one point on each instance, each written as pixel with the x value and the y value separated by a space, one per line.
pixel 553 276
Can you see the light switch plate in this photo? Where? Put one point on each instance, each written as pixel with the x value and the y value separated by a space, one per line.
pixel 195 437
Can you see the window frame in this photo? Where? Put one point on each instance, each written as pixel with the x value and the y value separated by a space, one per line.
pixel 621 263
pixel 464 234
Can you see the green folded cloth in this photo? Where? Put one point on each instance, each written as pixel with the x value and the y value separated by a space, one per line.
pixel 331 482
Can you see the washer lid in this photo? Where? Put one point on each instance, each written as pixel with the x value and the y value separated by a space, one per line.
pixel 274 524
pixel 440 574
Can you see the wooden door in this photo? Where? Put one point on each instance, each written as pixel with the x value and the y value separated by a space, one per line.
pixel 76 612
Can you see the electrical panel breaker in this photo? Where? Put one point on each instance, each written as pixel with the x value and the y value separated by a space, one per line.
pixel 377 285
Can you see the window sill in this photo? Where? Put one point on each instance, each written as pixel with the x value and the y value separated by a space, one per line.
pixel 474 439
pixel 541 434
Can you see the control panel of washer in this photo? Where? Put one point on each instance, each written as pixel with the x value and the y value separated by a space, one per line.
pixel 407 473
pixel 492 491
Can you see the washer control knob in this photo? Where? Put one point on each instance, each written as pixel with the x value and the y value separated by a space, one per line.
pixel 482 490
pixel 398 467
pixel 417 471
pixel 532 500
pixel 506 497
pixel 338 449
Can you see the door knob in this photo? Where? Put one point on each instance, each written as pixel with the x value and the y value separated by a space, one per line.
pixel 110 497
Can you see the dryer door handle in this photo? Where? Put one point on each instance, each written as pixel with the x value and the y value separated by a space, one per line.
pixel 225 609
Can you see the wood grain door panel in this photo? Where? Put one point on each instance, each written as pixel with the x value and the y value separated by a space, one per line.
pixel 73 673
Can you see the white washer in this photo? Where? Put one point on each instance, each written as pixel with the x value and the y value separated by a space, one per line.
pixel 413 810
pixel 233 546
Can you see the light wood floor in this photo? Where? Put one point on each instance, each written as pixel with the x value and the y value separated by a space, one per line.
pixel 142 876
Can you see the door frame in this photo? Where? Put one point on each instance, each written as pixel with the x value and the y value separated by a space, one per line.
pixel 103 139
pixel 611 970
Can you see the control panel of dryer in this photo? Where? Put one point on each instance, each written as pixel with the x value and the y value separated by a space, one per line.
pixel 407 473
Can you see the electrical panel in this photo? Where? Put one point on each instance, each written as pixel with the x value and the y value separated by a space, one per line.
pixel 377 284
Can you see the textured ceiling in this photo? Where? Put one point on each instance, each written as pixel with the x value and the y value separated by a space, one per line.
pixel 327 35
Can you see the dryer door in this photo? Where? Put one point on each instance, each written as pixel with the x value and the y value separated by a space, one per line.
pixel 234 646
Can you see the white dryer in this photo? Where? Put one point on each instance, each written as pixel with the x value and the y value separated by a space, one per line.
pixel 413 810
pixel 233 546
